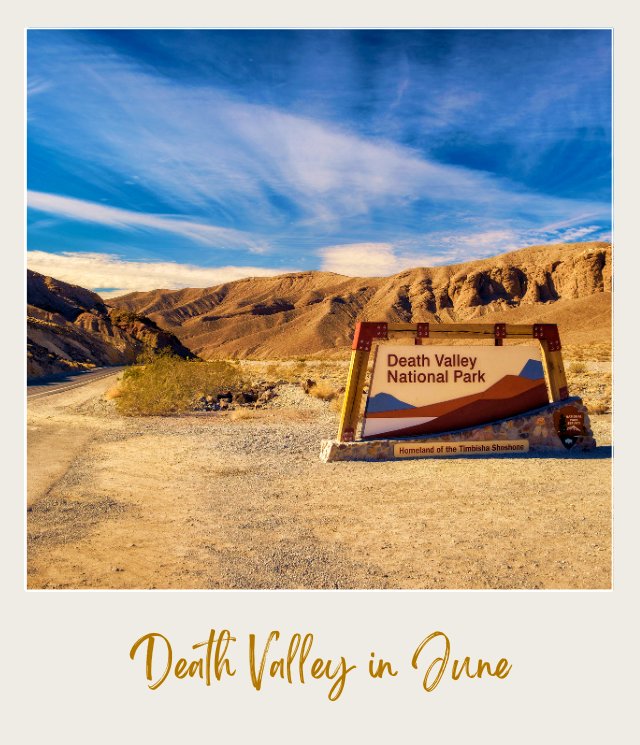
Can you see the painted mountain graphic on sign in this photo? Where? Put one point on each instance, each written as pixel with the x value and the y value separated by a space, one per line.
pixel 511 395
pixel 532 370
pixel 386 402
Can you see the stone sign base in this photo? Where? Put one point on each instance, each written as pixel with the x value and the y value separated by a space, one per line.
pixel 537 427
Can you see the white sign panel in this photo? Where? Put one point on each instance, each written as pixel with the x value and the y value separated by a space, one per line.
pixel 420 390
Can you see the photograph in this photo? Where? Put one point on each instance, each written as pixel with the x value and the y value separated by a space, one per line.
pixel 318 309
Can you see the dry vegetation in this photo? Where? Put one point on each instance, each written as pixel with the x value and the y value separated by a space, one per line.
pixel 593 352
pixel 324 390
pixel 591 380
pixel 164 385
pixel 168 385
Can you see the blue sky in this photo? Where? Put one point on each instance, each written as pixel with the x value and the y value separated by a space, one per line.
pixel 188 158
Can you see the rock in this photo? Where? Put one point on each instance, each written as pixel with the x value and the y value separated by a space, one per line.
pixel 266 396
pixel 246 397
pixel 70 329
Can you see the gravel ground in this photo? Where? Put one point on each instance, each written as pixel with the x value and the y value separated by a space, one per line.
pixel 213 501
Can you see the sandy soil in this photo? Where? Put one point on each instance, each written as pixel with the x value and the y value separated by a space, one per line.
pixel 205 501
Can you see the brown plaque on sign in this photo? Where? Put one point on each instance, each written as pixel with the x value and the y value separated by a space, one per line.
pixel 569 424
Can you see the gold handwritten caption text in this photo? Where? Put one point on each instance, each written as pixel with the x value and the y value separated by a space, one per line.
pixel 294 662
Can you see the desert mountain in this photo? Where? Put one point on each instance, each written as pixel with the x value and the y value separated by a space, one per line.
pixel 313 312
pixel 70 328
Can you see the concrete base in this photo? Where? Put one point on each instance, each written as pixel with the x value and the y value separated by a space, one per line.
pixel 536 426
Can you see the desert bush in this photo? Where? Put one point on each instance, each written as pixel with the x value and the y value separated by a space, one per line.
pixel 323 390
pixel 113 392
pixel 299 370
pixel 597 351
pixel 598 407
pixel 239 415
pixel 274 371
pixel 577 368
pixel 170 385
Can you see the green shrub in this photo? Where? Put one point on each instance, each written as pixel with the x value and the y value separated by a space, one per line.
pixel 170 385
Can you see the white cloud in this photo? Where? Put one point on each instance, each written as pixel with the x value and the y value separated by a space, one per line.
pixel 359 259
pixel 96 270
pixel 84 211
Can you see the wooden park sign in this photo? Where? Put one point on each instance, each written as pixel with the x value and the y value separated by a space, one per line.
pixel 418 391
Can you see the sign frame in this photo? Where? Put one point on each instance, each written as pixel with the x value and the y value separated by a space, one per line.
pixel 366 333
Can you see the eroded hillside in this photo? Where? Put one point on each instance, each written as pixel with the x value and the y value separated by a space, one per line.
pixel 313 312
pixel 70 328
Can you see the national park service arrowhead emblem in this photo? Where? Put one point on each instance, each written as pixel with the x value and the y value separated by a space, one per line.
pixel 569 424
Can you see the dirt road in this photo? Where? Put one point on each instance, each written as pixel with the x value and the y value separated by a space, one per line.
pixel 54 438
pixel 205 501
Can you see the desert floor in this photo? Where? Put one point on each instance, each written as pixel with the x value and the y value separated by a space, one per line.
pixel 221 500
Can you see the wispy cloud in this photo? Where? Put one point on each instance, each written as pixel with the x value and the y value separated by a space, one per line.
pixel 84 211
pixel 233 156
pixel 424 147
pixel 99 270
pixel 36 85
pixel 591 232
pixel 243 160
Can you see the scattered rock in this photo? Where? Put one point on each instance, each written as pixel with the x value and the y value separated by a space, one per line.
pixel 246 397
pixel 266 396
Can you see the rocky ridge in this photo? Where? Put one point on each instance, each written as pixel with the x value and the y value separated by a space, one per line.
pixel 71 328
pixel 315 312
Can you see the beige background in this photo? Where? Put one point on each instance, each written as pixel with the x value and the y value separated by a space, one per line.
pixel 66 674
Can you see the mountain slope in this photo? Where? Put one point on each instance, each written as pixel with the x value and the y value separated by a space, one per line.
pixel 313 312
pixel 70 328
